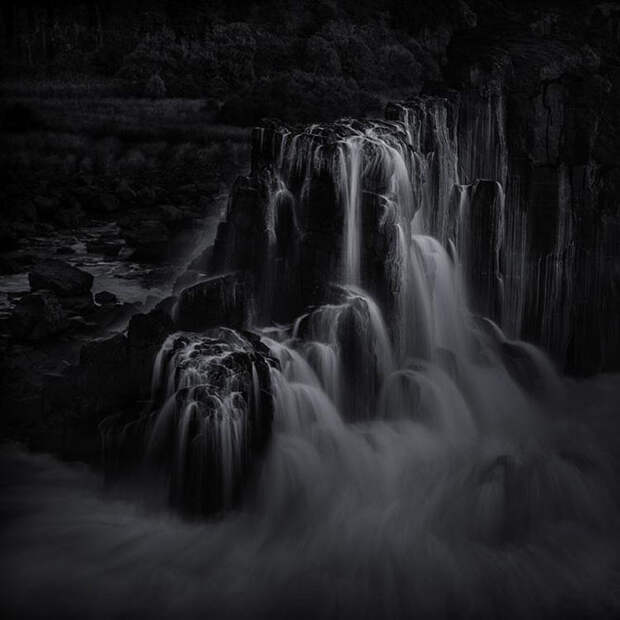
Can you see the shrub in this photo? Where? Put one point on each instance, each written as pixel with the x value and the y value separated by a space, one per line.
pixel 155 87
pixel 298 96
pixel 401 67
pixel 322 57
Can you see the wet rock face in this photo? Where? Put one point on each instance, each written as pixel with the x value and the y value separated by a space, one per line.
pixel 220 300
pixel 515 166
pixel 61 278
pixel 480 236
pixel 145 334
pixel 241 237
pixel 286 222
pixel 214 418
pixel 554 70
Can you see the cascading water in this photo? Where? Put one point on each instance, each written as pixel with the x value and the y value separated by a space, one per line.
pixel 210 389
pixel 416 463
pixel 419 463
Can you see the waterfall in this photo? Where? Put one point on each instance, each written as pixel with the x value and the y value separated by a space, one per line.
pixel 373 440
pixel 388 332
pixel 210 394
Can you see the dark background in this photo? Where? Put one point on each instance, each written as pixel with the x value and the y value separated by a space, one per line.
pixel 124 125
pixel 297 60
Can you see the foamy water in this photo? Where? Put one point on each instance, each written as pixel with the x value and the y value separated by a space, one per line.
pixel 400 524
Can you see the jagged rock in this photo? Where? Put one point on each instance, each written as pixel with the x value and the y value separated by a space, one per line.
pixel 37 316
pixel 480 238
pixel 108 315
pixel 104 375
pixel 61 278
pixel 81 304
pixel 240 240
pixel 105 297
pixel 167 305
pixel 145 334
pixel 240 370
pixel 186 279
pixel 220 300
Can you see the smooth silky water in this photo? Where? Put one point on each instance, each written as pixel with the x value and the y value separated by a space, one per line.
pixel 452 473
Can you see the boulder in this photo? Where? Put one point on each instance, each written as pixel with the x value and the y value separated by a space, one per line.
pixel 79 304
pixel 112 315
pixel 220 300
pixel 106 298
pixel 37 316
pixel 232 366
pixel 61 278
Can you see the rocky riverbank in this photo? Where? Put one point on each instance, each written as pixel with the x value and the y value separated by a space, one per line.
pixel 95 237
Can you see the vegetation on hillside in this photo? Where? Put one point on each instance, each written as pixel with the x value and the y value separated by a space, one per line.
pixel 299 60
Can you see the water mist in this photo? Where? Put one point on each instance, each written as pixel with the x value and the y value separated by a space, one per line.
pixel 418 461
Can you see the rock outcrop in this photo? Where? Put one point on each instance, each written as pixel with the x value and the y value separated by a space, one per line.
pixel 214 418
pixel 61 278
pixel 38 316
pixel 219 300
pixel 515 167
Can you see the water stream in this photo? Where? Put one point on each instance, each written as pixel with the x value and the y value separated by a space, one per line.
pixel 420 463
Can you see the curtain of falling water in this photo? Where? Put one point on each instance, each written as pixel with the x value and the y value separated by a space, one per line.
pixel 415 469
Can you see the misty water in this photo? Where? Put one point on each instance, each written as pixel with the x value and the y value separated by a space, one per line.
pixel 421 464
